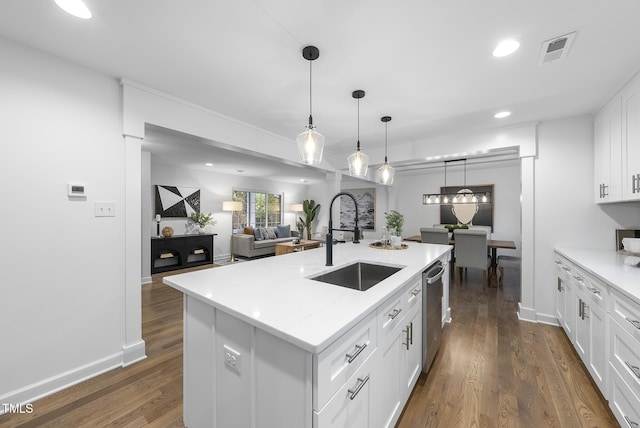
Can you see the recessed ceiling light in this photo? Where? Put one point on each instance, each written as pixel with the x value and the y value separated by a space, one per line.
pixel 76 8
pixel 506 47
pixel 240 170
pixel 208 164
pixel 302 180
pixel 502 114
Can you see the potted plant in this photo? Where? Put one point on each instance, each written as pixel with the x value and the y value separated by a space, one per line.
pixel 203 220
pixel 310 210
pixel 300 227
pixel 395 221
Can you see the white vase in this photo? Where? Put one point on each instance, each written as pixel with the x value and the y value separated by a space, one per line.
pixel 396 241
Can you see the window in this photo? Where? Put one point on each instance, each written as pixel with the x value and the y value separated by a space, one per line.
pixel 259 209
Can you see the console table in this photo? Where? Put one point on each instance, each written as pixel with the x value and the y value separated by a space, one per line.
pixel 181 251
pixel 290 247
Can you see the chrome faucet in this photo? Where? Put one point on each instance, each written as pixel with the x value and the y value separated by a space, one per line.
pixel 329 239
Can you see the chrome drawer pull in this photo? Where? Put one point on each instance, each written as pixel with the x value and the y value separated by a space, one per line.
pixel 578 278
pixel 415 292
pixel 395 313
pixel 358 388
pixel 631 423
pixel 594 290
pixel 566 269
pixel 558 262
pixel 634 369
pixel 411 332
pixel 359 349
pixel 634 323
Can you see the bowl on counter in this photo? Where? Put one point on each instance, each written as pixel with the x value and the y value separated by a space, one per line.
pixel 631 244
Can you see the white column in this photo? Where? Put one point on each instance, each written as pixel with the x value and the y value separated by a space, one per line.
pixel 133 349
pixel 526 307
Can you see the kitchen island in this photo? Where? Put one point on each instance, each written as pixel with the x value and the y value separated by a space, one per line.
pixel 265 345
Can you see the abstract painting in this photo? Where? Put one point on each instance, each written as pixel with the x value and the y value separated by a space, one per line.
pixel 177 201
pixel 366 200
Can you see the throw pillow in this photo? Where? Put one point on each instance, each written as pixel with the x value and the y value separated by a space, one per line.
pixel 248 230
pixel 257 234
pixel 268 233
pixel 283 231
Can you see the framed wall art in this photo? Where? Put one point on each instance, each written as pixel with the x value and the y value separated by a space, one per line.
pixel 478 213
pixel 176 201
pixel 366 200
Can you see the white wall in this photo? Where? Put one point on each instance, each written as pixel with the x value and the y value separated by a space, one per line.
pixel 565 213
pixel 63 269
pixel 214 189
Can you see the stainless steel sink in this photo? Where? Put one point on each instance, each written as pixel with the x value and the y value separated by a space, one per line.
pixel 358 276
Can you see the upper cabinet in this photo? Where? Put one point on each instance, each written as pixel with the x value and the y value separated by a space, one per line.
pixel 631 138
pixel 617 147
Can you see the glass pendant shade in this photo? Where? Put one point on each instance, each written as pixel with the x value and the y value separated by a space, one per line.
pixel 310 146
pixel 358 164
pixel 384 174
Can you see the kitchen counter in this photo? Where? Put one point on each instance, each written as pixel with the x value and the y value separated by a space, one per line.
pixel 276 295
pixel 609 267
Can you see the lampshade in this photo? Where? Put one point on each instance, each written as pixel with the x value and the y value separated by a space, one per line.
pixel 297 208
pixel 310 141
pixel 358 161
pixel 310 145
pixel 384 174
pixel 231 206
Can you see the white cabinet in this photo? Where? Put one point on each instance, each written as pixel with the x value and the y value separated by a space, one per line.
pixel 399 352
pixel 591 327
pixel 617 147
pixel 631 140
pixel 565 308
pixel 608 152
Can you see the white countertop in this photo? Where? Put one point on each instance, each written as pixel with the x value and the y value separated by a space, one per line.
pixel 275 294
pixel 609 267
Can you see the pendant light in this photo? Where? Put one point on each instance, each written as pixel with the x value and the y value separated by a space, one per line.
pixel 358 161
pixel 464 196
pixel 384 174
pixel 310 142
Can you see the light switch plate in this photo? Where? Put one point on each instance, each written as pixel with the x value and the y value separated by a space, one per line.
pixel 105 209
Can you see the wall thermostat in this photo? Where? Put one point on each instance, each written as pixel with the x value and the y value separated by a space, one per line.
pixel 76 191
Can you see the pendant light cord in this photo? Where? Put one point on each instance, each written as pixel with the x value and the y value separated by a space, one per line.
pixel 310 95
pixel 358 146
pixel 385 142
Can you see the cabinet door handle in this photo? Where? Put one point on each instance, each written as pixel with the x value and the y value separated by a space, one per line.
pixel 560 286
pixel 634 323
pixel 634 369
pixel 359 349
pixel 584 306
pixel 580 308
pixel 411 332
pixel 594 290
pixel 354 392
pixel 631 423
pixel 604 190
pixel 395 313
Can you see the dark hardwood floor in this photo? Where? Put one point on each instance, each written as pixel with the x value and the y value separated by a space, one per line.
pixel 491 371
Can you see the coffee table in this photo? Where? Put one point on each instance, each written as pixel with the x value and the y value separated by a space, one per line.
pixel 290 247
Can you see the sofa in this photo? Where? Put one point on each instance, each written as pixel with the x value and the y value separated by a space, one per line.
pixel 251 242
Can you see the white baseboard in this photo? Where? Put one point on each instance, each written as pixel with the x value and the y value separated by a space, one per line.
pixel 146 280
pixel 526 314
pixel 133 354
pixel 547 319
pixel 38 390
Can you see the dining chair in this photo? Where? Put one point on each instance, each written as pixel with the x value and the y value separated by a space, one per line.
pixel 506 261
pixel 471 252
pixel 434 235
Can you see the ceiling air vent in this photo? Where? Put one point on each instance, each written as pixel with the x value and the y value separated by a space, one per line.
pixel 556 49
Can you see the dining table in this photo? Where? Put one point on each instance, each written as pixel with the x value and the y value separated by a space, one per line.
pixel 492 244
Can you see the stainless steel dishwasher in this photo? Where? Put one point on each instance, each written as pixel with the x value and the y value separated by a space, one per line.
pixel 431 313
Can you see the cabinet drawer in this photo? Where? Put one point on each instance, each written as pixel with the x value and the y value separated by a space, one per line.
pixel 413 293
pixel 563 267
pixel 350 406
pixel 336 364
pixel 627 313
pixel 594 289
pixel 390 314
pixel 624 404
pixel 625 356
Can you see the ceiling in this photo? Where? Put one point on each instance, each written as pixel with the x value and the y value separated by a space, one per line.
pixel 427 64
